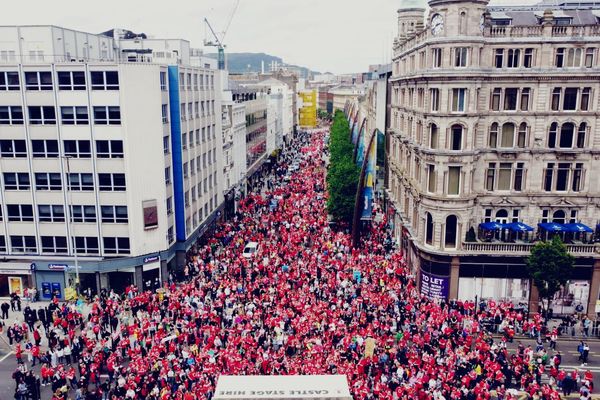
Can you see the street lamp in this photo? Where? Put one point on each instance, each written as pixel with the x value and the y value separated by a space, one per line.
pixel 71 220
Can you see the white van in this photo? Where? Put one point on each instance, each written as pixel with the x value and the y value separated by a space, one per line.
pixel 250 249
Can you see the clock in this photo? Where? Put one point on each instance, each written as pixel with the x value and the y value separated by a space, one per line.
pixel 437 24
pixel 482 23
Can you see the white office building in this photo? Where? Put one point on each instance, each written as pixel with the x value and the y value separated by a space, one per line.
pixel 109 156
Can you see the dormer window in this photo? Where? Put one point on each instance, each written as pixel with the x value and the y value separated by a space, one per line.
pixel 563 20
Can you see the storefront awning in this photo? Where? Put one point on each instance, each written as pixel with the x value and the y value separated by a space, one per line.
pixel 578 227
pixel 518 227
pixel 552 227
pixel 491 226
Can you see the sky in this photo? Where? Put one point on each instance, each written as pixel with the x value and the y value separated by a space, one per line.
pixel 339 36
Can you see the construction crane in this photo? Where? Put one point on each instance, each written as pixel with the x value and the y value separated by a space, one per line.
pixel 218 42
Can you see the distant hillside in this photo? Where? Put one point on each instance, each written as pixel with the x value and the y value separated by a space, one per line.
pixel 239 63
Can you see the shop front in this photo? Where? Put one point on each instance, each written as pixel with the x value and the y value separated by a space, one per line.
pixel 151 272
pixel 14 278
pixel 50 279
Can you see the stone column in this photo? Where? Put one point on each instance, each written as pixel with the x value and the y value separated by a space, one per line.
pixel 138 278
pixel 454 275
pixel 594 290
pixel 98 283
pixel 534 299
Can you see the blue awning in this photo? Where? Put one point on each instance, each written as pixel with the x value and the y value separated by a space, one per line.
pixel 490 226
pixel 578 227
pixel 552 227
pixel 519 227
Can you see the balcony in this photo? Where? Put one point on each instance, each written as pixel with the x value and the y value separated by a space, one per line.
pixel 538 30
pixel 519 249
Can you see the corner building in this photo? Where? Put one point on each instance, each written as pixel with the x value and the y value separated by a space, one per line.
pixel 494 119
pixel 109 153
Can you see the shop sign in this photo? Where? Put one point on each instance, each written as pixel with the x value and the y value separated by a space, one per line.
pixel 58 267
pixel 434 286
pixel 151 259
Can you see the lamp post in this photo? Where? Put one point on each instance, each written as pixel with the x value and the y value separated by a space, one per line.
pixel 71 220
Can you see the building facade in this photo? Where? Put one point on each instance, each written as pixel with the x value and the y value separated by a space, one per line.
pixel 494 120
pixel 109 156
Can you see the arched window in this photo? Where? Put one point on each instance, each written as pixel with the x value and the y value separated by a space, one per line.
pixel 581 133
pixel 508 135
pixel 450 235
pixel 456 137
pixel 559 217
pixel 493 141
pixel 567 132
pixel 428 229
pixel 433 136
pixel 522 137
pixel 502 216
pixel 552 135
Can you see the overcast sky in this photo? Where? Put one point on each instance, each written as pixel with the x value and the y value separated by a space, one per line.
pixel 339 36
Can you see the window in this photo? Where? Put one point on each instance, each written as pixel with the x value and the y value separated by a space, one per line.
pixel 504 175
pixel 563 176
pixel 11 115
pixel 566 136
pixel 167 175
pixel 573 59
pixel 451 228
pixel 185 170
pixel 570 99
pixel 456 137
pixel 107 115
pixel 9 80
pixel 585 99
pixel 437 57
pixel 114 214
pixel 13 148
pixel 51 213
pixel 109 148
pixel 460 56
pixel 54 244
pixel 514 56
pixel 525 93
pixel 16 181
pixel 555 102
pixel 44 148
pixel 42 115
pixel 163 81
pixel 86 245
pixel 528 58
pixel 493 138
pixel 499 58
pixel 454 180
pixel 38 80
pixel 589 57
pixel 184 142
pixel 81 182
pixel 48 181
pixel 71 80
pixel 435 99
pixel 166 144
pixel 577 178
pixel 19 212
pixel 490 177
pixel 495 100
pixel 428 229
pixel 433 136
pixel 559 58
pixel 77 148
pixel 552 135
pixel 165 113
pixel 510 99
pixel 74 115
pixel 458 100
pixel 23 244
pixel 581 134
pixel 169 205
pixel 522 135
pixel 111 182
pixel 116 245
pixel 508 135
pixel 82 213
pixel 105 80
pixel 431 178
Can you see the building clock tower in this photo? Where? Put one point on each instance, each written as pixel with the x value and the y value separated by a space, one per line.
pixel 454 18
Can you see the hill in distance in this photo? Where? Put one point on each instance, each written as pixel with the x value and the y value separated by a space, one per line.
pixel 239 63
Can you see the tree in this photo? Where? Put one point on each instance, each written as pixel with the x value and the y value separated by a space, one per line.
pixel 343 174
pixel 550 266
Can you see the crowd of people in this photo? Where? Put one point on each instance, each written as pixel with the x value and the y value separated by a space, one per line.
pixel 304 303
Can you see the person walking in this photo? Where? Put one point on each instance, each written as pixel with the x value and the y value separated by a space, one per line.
pixel 5 307
pixel 585 354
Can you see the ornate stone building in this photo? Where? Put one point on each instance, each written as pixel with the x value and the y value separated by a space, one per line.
pixel 494 120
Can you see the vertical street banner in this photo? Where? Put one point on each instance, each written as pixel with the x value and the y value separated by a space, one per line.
pixel 360 154
pixel 355 129
pixel 369 188
pixel 434 286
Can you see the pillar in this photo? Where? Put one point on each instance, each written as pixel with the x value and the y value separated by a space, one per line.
pixel 454 275
pixel 534 299
pixel 180 260
pixel 594 291
pixel 138 278
pixel 98 282
pixel 164 272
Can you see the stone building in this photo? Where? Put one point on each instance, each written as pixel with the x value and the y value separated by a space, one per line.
pixel 493 131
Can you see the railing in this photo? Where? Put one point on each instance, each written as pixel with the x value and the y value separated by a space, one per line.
pixel 539 30
pixel 522 248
